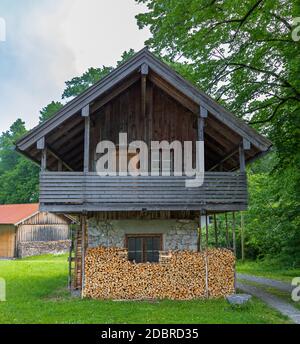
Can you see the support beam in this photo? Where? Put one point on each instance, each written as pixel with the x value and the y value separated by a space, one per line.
pixel 227 231
pixel 59 159
pixel 242 158
pixel 233 233
pixel 44 160
pixel 228 156
pixel 83 249
pixel 144 69
pixel 206 232
pixel 86 154
pixel 216 230
pixel 200 233
pixel 144 73
pixel 40 144
pixel 242 237
pixel 246 144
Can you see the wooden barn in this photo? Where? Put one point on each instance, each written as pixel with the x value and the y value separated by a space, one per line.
pixel 141 235
pixel 25 230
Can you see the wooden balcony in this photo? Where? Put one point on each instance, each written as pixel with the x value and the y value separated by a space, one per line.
pixel 79 191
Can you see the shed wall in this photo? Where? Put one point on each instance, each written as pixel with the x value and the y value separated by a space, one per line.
pixel 7 241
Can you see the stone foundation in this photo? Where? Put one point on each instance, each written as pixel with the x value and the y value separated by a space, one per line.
pixel 177 234
pixel 35 248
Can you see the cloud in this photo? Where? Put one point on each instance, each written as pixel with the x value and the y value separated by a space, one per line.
pixel 53 41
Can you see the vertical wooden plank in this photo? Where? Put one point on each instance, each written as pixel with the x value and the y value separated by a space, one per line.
pixel 83 247
pixel 59 165
pixel 242 158
pixel 216 230
pixel 206 227
pixel 227 231
pixel 242 237
pixel 233 233
pixel 200 234
pixel 86 159
pixel 44 159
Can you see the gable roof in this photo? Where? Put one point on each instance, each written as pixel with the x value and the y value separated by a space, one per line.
pixel 14 213
pixel 173 78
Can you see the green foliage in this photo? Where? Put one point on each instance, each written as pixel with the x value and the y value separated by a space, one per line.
pixel 18 175
pixel 80 83
pixel 49 110
pixel 243 55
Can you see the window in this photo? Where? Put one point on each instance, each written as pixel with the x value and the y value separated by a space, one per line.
pixel 144 248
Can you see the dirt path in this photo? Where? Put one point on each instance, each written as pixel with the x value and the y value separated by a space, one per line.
pixel 273 301
pixel 283 286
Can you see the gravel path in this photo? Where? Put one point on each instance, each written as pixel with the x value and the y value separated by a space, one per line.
pixel 273 301
pixel 283 286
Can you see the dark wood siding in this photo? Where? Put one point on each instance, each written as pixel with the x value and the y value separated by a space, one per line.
pixel 165 119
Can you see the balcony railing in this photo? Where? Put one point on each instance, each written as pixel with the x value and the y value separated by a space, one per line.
pixel 79 191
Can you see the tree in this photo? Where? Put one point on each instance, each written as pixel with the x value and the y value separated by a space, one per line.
pixel 49 110
pixel 18 175
pixel 243 55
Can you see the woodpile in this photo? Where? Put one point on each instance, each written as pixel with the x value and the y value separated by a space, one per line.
pixel 179 275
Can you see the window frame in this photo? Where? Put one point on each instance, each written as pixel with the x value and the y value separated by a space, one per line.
pixel 146 235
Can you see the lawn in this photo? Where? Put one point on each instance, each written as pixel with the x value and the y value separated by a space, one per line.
pixel 269 270
pixel 36 293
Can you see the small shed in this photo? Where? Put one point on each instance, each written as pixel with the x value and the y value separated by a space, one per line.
pixel 25 231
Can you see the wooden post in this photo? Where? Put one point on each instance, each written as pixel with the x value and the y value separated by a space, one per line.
pixel 242 237
pixel 206 227
pixel 206 258
pixel 216 230
pixel 144 73
pixel 233 233
pixel 83 247
pixel 85 112
pixel 244 145
pixel 199 234
pixel 242 158
pixel 201 123
pixel 41 145
pixel 59 165
pixel 227 232
pixel 44 160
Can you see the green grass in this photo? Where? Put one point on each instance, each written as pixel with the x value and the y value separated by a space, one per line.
pixel 36 293
pixel 269 270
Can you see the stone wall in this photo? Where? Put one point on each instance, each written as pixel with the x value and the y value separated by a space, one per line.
pixel 35 248
pixel 177 234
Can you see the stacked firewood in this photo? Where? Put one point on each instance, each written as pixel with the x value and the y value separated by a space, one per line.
pixel 179 275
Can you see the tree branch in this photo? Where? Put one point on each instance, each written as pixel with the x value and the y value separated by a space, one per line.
pixel 272 115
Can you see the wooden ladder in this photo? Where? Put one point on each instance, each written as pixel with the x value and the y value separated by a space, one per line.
pixel 75 259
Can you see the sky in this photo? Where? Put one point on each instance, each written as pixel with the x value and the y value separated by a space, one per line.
pixel 48 42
